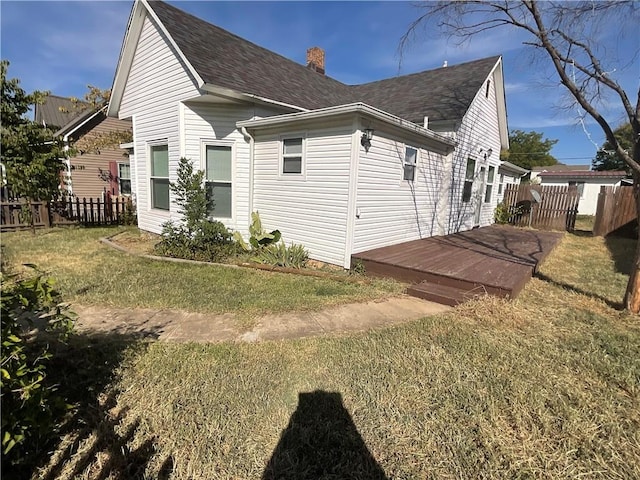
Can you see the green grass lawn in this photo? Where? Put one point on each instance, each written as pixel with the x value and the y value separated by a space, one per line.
pixel 546 386
pixel 91 273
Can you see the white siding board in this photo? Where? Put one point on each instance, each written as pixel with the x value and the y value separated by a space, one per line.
pixel 218 122
pixel 392 210
pixel 479 129
pixel 157 82
pixel 310 210
pixel 588 204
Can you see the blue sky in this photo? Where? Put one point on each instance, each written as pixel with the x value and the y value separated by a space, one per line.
pixel 64 46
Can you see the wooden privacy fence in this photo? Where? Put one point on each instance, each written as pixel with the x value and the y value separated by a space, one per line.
pixel 16 214
pixel 616 208
pixel 550 208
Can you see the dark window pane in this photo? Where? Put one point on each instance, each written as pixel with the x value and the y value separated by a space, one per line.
pixel 159 161
pixel 409 172
pixel 220 193
pixel 219 163
pixel 487 195
pixel 466 192
pixel 125 187
pixel 292 165
pixel 292 146
pixel 471 168
pixel 160 193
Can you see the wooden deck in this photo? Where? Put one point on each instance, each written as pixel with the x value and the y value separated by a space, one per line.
pixel 498 260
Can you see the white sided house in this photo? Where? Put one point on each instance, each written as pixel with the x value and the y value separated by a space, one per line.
pixel 509 174
pixel 340 169
pixel 587 182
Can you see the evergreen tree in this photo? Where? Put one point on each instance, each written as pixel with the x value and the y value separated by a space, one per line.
pixel 607 158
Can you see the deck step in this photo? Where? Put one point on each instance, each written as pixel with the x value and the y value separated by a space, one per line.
pixel 442 294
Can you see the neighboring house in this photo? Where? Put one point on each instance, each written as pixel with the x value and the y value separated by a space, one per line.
pixel 509 174
pixel 588 183
pixel 338 168
pixel 536 171
pixel 92 173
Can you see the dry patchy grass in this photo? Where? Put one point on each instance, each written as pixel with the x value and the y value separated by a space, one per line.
pixel 546 386
pixel 91 273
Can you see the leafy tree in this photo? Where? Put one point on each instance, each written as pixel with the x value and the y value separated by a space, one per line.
pixel 568 37
pixel 607 158
pixel 191 195
pixel 195 237
pixel 95 99
pixel 30 153
pixel 529 149
pixel 30 405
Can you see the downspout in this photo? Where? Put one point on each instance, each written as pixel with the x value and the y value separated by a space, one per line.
pixel 247 136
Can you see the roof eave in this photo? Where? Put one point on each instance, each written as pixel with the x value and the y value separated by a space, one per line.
pixel 136 21
pixel 513 168
pixel 78 122
pixel 359 108
pixel 238 95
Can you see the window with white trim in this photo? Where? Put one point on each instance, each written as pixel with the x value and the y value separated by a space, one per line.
pixel 410 162
pixel 219 179
pixel 501 184
pixel 468 180
pixel 580 186
pixel 159 178
pixel 292 153
pixel 124 179
pixel 489 185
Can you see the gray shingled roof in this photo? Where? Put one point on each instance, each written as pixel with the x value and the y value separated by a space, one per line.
pixel 561 167
pixel 49 112
pixel 441 94
pixel 226 60
pixel 585 174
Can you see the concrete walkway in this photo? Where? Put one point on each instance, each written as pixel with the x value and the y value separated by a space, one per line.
pixel 179 326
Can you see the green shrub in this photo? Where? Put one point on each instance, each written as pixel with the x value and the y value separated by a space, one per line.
pixel 259 238
pixel 357 268
pixel 29 403
pixel 502 213
pixel 129 215
pixel 278 254
pixel 210 242
pixel 196 237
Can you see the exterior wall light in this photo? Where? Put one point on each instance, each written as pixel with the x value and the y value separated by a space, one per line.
pixel 365 140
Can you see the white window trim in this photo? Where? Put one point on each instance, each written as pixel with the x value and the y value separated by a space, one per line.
pixel 120 180
pixel 473 179
pixel 303 169
pixel 501 184
pixel 157 143
pixel 488 184
pixel 577 185
pixel 212 142
pixel 404 162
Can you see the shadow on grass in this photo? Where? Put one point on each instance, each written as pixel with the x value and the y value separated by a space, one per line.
pixel 622 251
pixel 321 441
pixel 573 288
pixel 84 371
pixel 582 233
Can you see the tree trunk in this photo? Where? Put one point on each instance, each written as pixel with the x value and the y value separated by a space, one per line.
pixel 632 295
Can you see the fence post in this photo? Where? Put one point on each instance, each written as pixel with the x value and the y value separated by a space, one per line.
pixel 598 226
pixel 46 213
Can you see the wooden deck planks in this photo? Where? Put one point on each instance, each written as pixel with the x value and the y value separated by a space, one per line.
pixel 497 257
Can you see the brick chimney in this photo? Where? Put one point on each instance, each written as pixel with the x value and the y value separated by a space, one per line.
pixel 315 59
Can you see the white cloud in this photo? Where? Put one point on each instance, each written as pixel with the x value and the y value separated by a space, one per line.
pixel 515 87
pixel 93 41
